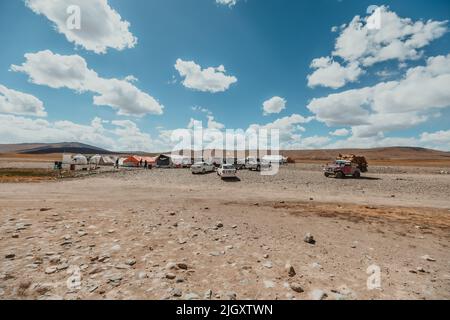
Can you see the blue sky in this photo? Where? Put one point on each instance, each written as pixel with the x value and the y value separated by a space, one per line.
pixel 296 58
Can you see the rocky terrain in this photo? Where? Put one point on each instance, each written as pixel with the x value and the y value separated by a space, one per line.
pixel 167 234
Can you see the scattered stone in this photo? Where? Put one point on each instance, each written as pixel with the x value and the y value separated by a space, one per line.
pixel 318 294
pixel 115 279
pixel 130 262
pixel 171 266
pixel 428 258
pixel 420 269
pixel 50 270
pixel 182 265
pixel 172 213
pixel 208 294
pixel 10 256
pixel 231 295
pixel 15 235
pixel 62 266
pixel 290 270
pixel 234 226
pixel 45 209
pixel 269 284
pixel 219 225
pixel 267 264
pixel 309 238
pixel 142 275
pixel 176 292
pixel 214 253
pixel 170 276
pixel 179 279
pixel 296 287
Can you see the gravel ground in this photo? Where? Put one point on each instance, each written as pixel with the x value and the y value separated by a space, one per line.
pixel 168 234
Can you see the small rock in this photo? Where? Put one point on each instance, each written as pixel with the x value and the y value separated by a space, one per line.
pixel 208 294
pixel 428 258
pixel 267 264
pixel 176 292
pixel 130 262
pixel 231 295
pixel 170 276
pixel 182 265
pixel 296 287
pixel 171 266
pixel 309 238
pixel 51 270
pixel 10 256
pixel 141 275
pixel 172 213
pixel 291 271
pixel 179 279
pixel 219 225
pixel 318 294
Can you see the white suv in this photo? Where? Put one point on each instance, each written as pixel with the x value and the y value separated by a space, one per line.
pixel 226 171
pixel 202 167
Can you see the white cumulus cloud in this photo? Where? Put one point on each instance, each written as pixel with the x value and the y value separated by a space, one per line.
pixel 16 102
pixel 359 46
pixel 274 105
pixel 101 27
pixel 389 106
pixel 72 72
pixel 229 3
pixel 207 80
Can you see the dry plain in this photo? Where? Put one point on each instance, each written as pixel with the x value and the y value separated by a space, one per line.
pixel 168 234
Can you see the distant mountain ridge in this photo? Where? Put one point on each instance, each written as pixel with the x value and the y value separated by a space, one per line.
pixel 47 148
pixel 400 153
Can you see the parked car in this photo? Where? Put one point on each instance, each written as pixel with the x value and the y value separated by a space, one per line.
pixel 202 167
pixel 226 171
pixel 254 164
pixel 341 169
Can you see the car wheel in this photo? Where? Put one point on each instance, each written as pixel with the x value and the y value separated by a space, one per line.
pixel 326 174
pixel 340 175
pixel 203 171
pixel 357 175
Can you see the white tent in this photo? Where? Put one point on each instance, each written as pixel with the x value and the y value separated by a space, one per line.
pixel 95 159
pixel 79 159
pixel 107 161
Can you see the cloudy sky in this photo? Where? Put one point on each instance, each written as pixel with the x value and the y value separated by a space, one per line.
pixel 128 74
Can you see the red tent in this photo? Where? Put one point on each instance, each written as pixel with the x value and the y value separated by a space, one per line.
pixel 135 161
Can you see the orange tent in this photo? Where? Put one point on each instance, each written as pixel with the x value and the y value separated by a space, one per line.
pixel 135 161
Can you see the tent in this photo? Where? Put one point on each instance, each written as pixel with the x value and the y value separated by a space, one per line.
pixel 107 161
pixel 95 159
pixel 79 159
pixel 135 161
pixel 132 161
pixel 164 161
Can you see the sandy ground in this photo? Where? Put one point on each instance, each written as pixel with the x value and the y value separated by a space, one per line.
pixel 168 234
